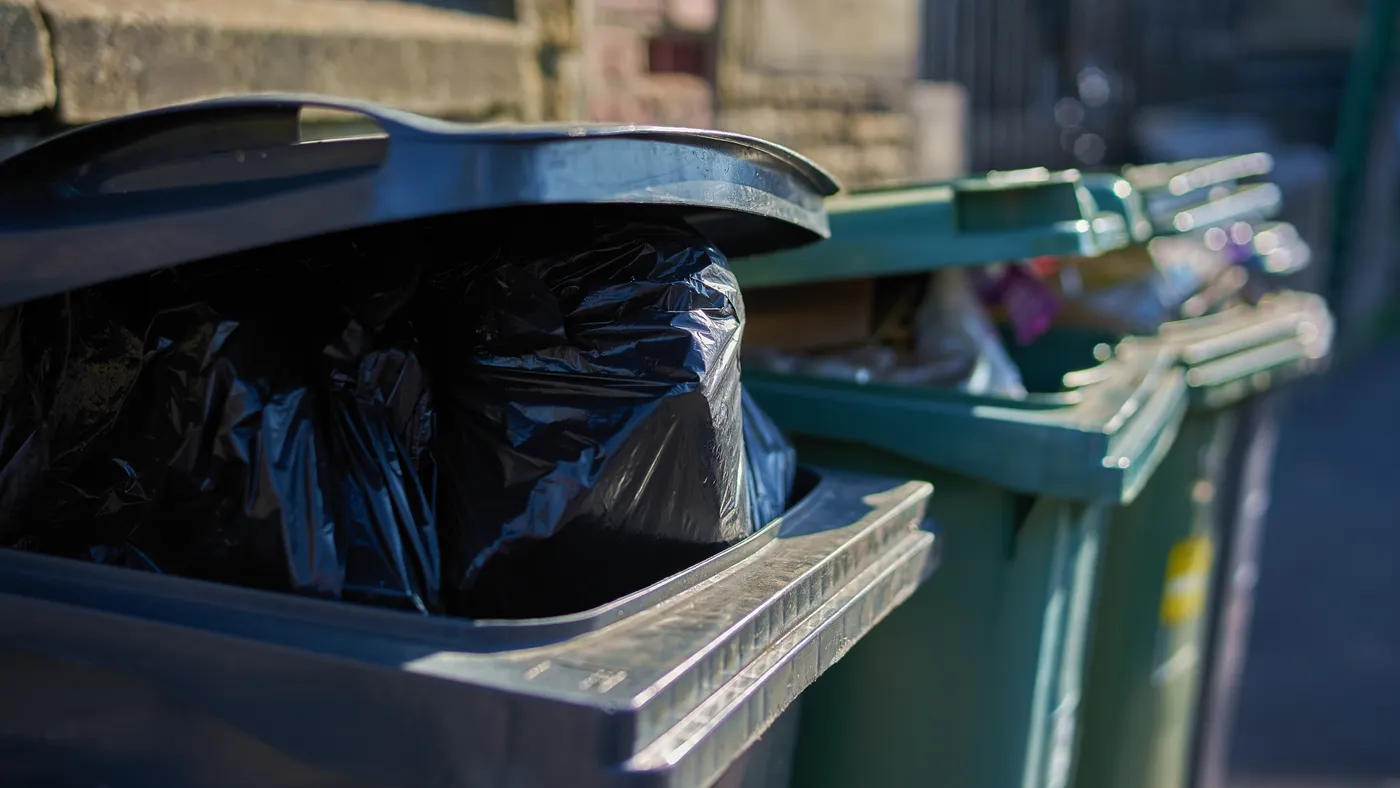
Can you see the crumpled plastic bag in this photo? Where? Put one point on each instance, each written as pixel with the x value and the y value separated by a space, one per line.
pixel 533 426
pixel 289 471
pixel 266 451
pixel 952 324
pixel 590 415
pixel 770 465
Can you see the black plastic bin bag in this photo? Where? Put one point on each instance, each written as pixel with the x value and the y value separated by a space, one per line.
pixel 266 447
pixel 770 465
pixel 592 437
pixel 591 430
pixel 574 327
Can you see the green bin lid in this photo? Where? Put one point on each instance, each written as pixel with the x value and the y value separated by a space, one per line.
pixel 1192 196
pixel 1000 216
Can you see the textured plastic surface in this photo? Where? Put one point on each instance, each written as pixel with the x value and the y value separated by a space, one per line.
pixel 232 686
pixel 1004 216
pixel 168 186
pixel 1143 679
pixel 1253 202
pixel 975 681
pixel 1098 440
pixel 1190 196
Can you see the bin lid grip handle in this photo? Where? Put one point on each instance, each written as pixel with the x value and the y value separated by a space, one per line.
pixel 61 165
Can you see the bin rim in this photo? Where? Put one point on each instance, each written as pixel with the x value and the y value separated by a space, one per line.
pixel 1100 440
pixel 668 696
pixel 478 635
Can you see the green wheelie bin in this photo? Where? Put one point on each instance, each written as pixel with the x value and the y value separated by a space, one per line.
pixel 976 680
pixel 1178 559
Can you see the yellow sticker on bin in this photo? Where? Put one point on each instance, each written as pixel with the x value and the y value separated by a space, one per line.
pixel 1188 577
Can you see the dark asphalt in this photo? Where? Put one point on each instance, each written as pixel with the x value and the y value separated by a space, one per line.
pixel 1321 688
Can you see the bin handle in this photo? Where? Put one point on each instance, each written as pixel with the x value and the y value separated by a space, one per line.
pixel 145 139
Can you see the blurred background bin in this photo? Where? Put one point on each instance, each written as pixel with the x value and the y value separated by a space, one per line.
pixel 1178 560
pixel 120 677
pixel 977 679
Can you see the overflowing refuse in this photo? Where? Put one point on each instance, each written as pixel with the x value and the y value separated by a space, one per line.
pixel 531 426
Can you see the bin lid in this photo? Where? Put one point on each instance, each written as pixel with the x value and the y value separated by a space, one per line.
pixel 173 185
pixel 1245 349
pixel 998 217
pixel 1184 177
pixel 1185 196
pixel 1249 203
pixel 1116 194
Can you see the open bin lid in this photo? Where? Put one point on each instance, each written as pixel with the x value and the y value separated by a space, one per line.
pixel 1191 196
pixel 1000 217
pixel 194 181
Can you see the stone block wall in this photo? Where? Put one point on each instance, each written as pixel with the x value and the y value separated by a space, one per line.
pixel 859 130
pixel 791 71
pixel 68 62
pixel 834 79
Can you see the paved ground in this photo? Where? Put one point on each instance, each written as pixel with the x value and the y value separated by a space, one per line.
pixel 1321 690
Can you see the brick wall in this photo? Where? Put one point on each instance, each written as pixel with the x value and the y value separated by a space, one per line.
pixel 858 129
pixel 648 61
pixel 78 61
pixel 717 63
